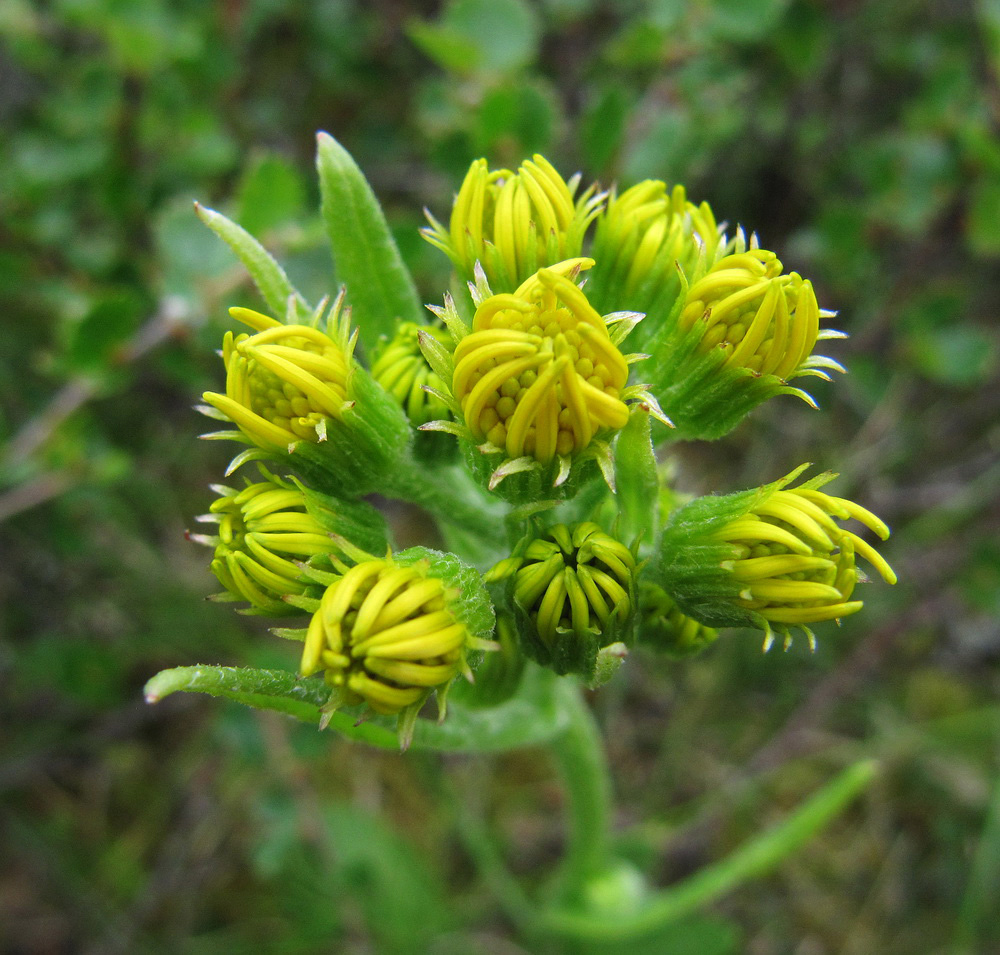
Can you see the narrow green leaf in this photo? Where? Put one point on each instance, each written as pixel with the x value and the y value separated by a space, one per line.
pixel 276 690
pixel 380 289
pixel 267 275
pixel 528 719
pixel 636 478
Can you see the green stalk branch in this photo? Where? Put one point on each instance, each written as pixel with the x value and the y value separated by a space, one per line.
pixel 756 858
pixel 583 768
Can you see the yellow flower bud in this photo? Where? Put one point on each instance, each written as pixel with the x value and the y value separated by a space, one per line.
pixel 385 635
pixel 284 382
pixel 794 564
pixel 576 586
pixel 643 235
pixel 665 628
pixel 514 223
pixel 401 369
pixel 763 320
pixel 539 375
pixel 265 531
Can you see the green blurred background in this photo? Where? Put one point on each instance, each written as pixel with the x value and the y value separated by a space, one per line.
pixel 860 140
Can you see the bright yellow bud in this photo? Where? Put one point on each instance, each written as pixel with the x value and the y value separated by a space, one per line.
pixel 284 382
pixel 539 375
pixel 514 223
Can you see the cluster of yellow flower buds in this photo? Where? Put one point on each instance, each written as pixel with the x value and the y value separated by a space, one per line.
pixel 530 372
pixel 514 223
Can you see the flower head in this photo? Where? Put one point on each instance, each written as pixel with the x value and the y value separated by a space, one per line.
pixel 392 630
pixel 538 380
pixel 539 374
pixel 735 338
pixel 760 319
pixel 285 382
pixel 514 223
pixel 401 369
pixel 773 557
pixel 575 590
pixel 642 237
pixel 664 627
pixel 265 532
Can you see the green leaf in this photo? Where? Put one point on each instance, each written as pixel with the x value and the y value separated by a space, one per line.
pixel 962 356
pixel 518 116
pixel 744 21
pixel 984 213
pixel 480 36
pixel 380 289
pixel 603 126
pixel 449 48
pixel 535 715
pixel 399 892
pixel 267 275
pixel 271 193
pixel 276 690
pixel 104 329
pixel 636 478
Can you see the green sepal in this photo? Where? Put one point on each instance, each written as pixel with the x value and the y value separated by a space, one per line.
pixel 364 451
pixel 358 522
pixel 536 482
pixel 380 288
pixel 466 593
pixel 282 298
pixel 691 568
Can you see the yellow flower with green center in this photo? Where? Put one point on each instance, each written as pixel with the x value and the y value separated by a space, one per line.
pixel 265 532
pixel 539 375
pixel 390 631
pixel 284 382
pixel 575 590
pixel 401 369
pixel 514 223
pixel 775 557
pixel 761 319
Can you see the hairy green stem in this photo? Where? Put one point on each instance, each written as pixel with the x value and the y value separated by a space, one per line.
pixel 445 500
pixel 583 768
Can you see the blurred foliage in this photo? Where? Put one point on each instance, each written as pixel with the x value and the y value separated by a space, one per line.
pixel 860 140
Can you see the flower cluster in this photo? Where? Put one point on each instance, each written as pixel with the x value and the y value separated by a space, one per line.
pixel 562 375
